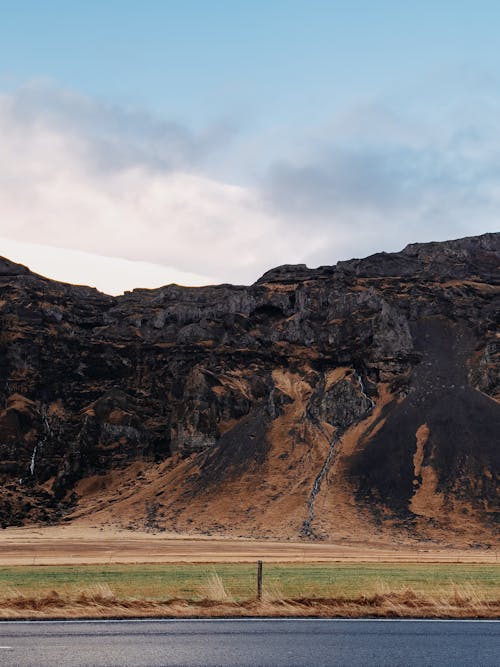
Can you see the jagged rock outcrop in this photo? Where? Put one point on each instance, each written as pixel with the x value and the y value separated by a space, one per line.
pixel 313 402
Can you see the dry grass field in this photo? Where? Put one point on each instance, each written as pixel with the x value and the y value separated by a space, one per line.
pixel 82 544
pixel 74 572
pixel 214 599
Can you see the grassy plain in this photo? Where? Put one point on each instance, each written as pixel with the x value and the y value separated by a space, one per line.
pixel 84 571
pixel 291 589
pixel 188 581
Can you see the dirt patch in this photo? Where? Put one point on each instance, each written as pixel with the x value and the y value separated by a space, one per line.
pixel 422 436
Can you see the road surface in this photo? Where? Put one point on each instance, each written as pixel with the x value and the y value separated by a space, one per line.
pixel 250 643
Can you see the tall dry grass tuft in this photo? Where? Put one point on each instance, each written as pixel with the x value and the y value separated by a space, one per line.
pixel 272 593
pixel 273 603
pixel 215 590
pixel 99 594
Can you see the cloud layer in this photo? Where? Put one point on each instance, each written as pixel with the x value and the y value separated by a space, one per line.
pixel 85 176
pixel 82 176
pixel 381 178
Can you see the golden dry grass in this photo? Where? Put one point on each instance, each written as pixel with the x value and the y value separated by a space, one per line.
pixel 215 590
pixel 77 544
pixel 101 602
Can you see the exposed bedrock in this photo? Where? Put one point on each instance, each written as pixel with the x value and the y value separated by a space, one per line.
pixel 378 376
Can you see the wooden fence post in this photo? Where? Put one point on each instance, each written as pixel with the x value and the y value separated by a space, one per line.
pixel 259 580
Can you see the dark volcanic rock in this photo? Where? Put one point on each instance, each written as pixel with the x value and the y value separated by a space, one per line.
pixel 401 349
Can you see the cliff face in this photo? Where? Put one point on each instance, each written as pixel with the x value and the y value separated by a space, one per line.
pixel 316 402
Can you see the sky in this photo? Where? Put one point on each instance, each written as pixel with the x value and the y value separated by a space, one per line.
pixel 144 142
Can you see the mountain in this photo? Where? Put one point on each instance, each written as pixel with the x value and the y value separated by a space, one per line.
pixel 341 402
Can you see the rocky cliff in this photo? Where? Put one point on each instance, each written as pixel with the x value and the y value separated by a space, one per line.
pixel 332 402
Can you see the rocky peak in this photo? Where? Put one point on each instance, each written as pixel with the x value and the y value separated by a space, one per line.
pixel 8 268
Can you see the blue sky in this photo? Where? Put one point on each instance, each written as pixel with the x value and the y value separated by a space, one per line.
pixel 281 61
pixel 207 140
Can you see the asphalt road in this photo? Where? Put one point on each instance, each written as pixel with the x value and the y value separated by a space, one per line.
pixel 250 643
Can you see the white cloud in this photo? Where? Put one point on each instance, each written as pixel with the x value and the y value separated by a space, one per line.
pixel 380 176
pixel 148 203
